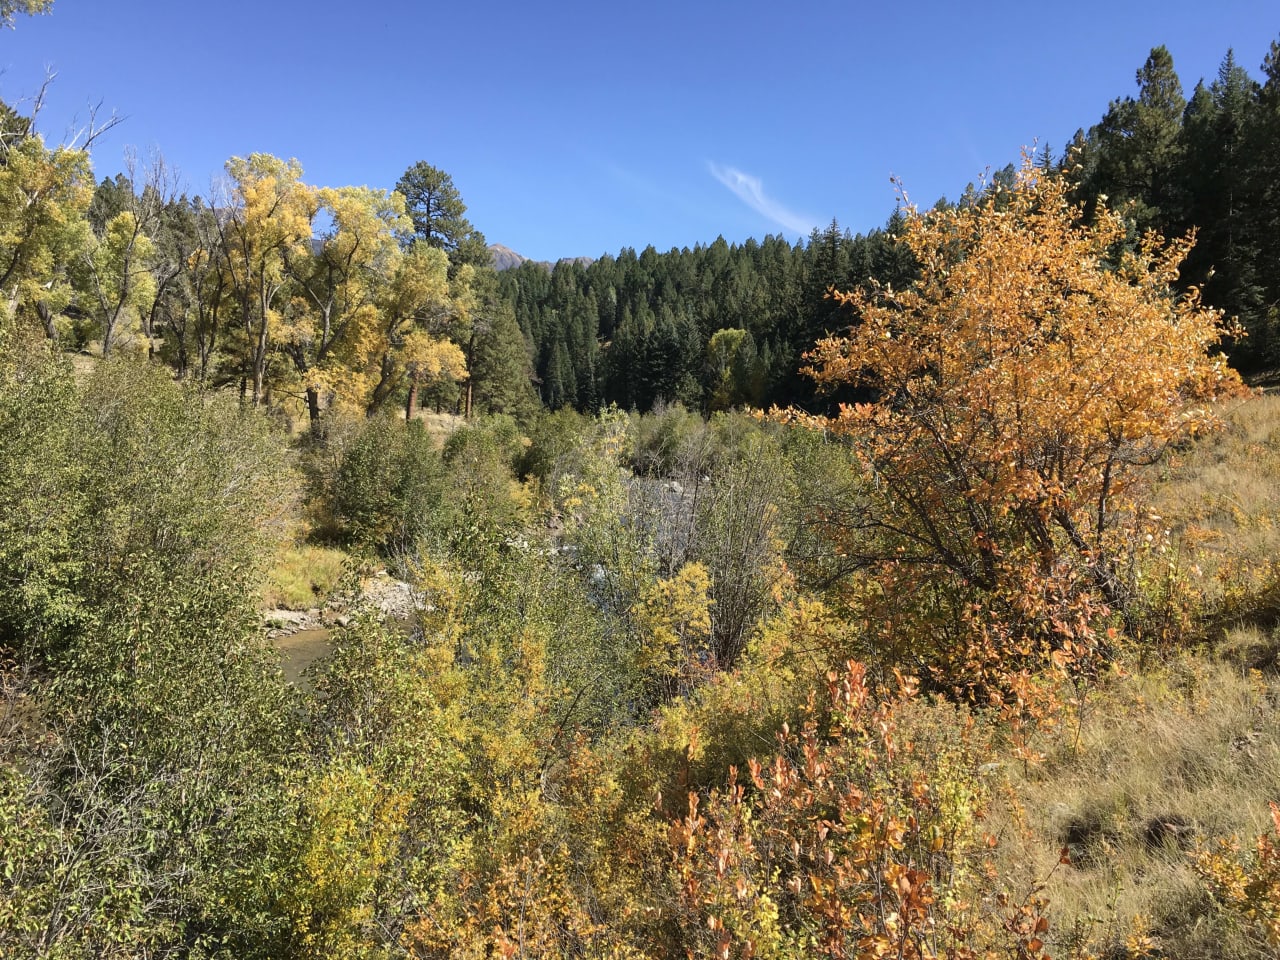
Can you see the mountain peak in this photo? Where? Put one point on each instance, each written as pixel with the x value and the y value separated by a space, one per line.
pixel 504 258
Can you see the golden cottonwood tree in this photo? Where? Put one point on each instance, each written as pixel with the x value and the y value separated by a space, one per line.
pixel 266 220
pixel 123 271
pixel 346 315
pixel 332 328
pixel 1034 365
pixel 44 195
pixel 423 312
pixel 117 286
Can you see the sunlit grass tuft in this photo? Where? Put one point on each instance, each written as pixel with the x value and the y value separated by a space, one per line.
pixel 303 577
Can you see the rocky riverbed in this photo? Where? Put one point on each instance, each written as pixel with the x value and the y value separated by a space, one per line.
pixel 302 636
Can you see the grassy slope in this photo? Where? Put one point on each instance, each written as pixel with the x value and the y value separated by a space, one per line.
pixel 1171 755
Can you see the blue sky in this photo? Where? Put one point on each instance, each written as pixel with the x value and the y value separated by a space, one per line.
pixel 579 128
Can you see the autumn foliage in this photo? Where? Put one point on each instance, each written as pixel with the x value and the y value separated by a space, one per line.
pixel 1014 390
pixel 1247 884
pixel 850 842
pixel 732 691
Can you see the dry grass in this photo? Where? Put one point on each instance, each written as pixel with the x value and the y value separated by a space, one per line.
pixel 1221 499
pixel 1183 751
pixel 303 577
pixel 1166 760
pixel 439 425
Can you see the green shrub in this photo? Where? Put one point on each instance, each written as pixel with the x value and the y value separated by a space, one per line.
pixel 135 519
pixel 670 442
pixel 130 475
pixel 552 439
pixel 386 486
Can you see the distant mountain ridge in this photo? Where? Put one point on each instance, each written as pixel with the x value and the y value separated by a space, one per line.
pixel 504 258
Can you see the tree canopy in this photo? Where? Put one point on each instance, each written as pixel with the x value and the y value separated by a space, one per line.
pixel 9 8
pixel 1017 385
pixel 436 210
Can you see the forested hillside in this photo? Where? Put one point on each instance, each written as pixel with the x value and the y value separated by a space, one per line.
pixel 722 325
pixel 322 637
pixel 273 287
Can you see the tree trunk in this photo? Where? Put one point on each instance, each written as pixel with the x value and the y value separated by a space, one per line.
pixel 412 402
pixel 1103 571
pixel 471 359
pixel 260 365
pixel 313 407
pixel 383 388
pixel 46 317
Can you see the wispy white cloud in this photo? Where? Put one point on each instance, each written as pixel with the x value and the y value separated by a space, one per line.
pixel 750 190
pixel 637 183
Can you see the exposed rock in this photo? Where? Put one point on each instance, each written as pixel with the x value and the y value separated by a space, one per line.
pixel 504 258
pixel 290 621
pixel 391 597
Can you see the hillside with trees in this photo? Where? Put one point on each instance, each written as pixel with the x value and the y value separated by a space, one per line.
pixel 905 594
pixel 637 329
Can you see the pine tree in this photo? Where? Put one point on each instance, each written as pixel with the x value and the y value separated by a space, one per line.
pixel 1132 154
pixel 435 207
pixel 1219 203
pixel 1264 189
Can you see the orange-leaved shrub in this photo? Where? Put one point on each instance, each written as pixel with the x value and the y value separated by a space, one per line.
pixel 1247 885
pixel 852 841
pixel 1015 391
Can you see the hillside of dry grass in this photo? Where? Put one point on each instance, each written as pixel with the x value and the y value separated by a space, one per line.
pixel 1174 753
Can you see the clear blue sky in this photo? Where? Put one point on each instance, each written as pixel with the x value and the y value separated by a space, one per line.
pixel 579 128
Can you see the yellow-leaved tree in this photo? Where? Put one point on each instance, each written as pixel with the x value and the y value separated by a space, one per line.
pixel 345 315
pixel 44 194
pixel 265 220
pixel 117 286
pixel 332 327
pixel 423 314
pixel 1037 363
